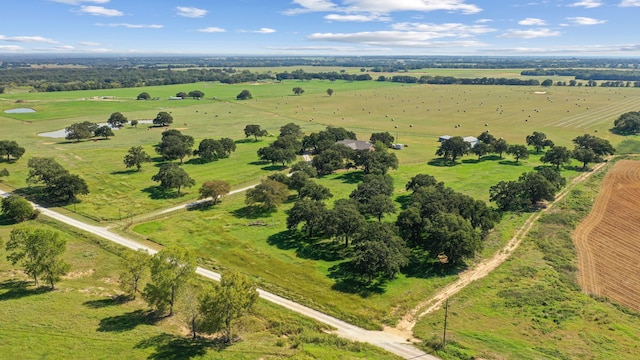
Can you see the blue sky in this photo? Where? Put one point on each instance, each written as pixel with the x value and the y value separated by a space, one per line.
pixel 323 27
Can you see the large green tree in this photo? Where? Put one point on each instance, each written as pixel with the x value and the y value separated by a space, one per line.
pixel 539 141
pixel 18 208
pixel 518 151
pixel 116 120
pixel 39 251
pixel 557 155
pixel 104 131
pixel 453 236
pixel 224 303
pixel 214 189
pixel 298 90
pixel 311 213
pixel 627 123
pixel 10 148
pixel 244 95
pixel 453 148
pixel 60 185
pixel 171 269
pixel 344 220
pixel 379 253
pixel 269 192
pixel 174 145
pixel 136 157
pixel 163 119
pixel 172 176
pixel 255 130
pixel 80 131
pixel 135 270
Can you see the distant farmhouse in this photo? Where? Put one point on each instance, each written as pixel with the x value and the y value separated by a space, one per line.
pixel 356 144
pixel 472 140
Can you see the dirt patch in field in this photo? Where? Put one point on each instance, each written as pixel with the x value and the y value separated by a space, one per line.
pixel 607 240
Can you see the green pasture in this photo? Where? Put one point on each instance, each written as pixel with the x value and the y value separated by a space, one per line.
pixel 531 307
pixel 84 319
pixel 415 114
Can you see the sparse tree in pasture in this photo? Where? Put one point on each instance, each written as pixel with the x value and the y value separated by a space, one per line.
pixel 18 208
pixel 557 155
pixel 39 251
pixel 329 91
pixel 310 212
pixel 481 149
pixel 500 146
pixel 136 157
pixel 116 120
pixel 255 131
pixel 163 119
pixel 79 131
pixel 453 148
pixel 135 270
pixel 270 193
pixel 174 145
pixel 10 148
pixel 378 252
pixel 171 269
pixel 224 303
pixel 518 151
pixel 539 141
pixel 104 131
pixel 196 94
pixel 171 175
pixel 143 96
pixel 134 123
pixel 298 90
pixel 214 189
pixel 244 95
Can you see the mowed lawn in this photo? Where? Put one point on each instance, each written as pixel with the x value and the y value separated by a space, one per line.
pixel 415 114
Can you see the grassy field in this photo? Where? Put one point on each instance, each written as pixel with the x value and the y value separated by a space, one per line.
pixel 531 307
pixel 84 319
pixel 416 114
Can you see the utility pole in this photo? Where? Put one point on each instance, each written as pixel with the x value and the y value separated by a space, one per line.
pixel 446 313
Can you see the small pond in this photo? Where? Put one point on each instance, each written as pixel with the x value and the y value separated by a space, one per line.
pixel 19 111
pixel 60 134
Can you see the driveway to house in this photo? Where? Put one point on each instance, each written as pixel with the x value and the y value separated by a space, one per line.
pixel 390 342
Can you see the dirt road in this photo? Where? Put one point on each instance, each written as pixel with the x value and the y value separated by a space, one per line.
pixel 406 324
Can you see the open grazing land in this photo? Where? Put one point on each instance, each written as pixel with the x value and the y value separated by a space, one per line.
pixel 533 306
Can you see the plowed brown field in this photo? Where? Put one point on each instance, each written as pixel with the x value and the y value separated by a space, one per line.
pixel 608 240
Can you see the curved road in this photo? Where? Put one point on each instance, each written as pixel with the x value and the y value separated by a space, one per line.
pixel 392 343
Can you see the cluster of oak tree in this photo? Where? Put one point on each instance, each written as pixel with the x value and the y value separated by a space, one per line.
pixel 588 148
pixel 166 282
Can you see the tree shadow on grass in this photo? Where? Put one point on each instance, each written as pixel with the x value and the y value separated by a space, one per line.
pixel 404 200
pixel 128 321
pixel 5 220
pixel 110 301
pixel 172 347
pixel 158 193
pixel 510 162
pixel 125 172
pixel 423 266
pixel 17 289
pixel 351 177
pixel 252 212
pixel 349 283
pixel 442 162
pixel 308 249
pixel 472 161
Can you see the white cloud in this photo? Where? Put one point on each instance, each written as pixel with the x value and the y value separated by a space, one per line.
pixel 443 30
pixel 191 12
pixel 264 31
pixel 11 48
pixel 212 29
pixel 357 18
pixel 78 2
pixel 383 6
pixel 133 26
pixel 311 6
pixel 483 21
pixel 532 22
pixel 589 4
pixel 629 3
pixel 530 33
pixel 100 11
pixel 88 43
pixel 579 20
pixel 392 38
pixel 39 39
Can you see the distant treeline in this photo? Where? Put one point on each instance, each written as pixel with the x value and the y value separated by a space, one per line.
pixel 584 74
pixel 450 80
